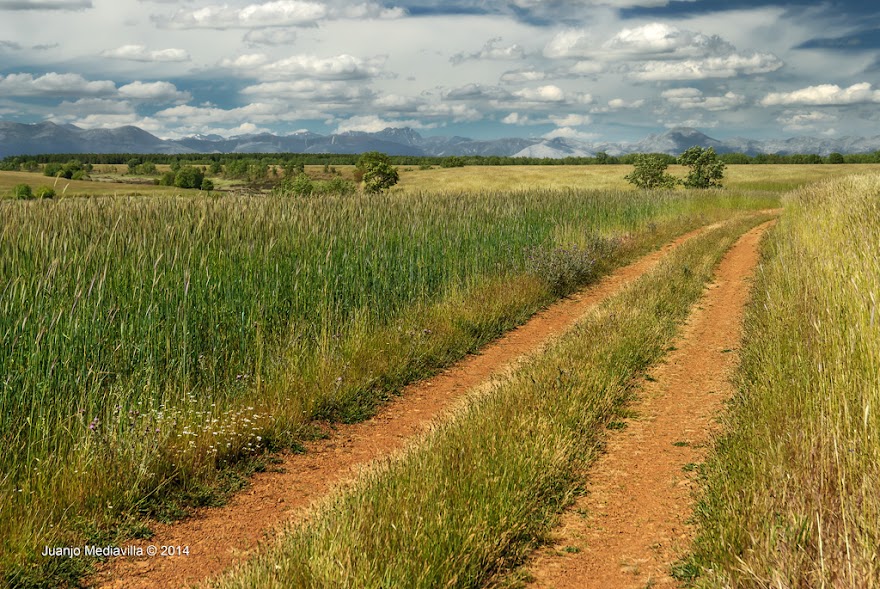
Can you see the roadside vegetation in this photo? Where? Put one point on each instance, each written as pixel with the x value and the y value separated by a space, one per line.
pixel 791 494
pixel 481 490
pixel 150 343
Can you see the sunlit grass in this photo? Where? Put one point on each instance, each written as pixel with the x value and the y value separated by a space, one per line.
pixel 791 497
pixel 148 341
pixel 481 490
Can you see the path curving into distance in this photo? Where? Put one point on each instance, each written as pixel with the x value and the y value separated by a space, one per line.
pixel 221 537
pixel 631 526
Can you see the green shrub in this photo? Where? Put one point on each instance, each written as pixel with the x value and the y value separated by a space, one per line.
pixel 45 192
pixel 189 177
pixel 207 184
pixel 22 191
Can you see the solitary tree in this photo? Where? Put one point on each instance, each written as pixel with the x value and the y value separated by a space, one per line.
pixel 706 170
pixel 376 171
pixel 650 172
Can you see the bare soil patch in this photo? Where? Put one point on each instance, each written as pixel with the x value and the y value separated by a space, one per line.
pixel 222 537
pixel 631 525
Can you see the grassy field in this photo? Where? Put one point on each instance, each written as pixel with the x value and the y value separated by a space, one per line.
pixel 791 495
pixel 112 179
pixel 481 490
pixel 777 178
pixel 149 341
pixel 65 188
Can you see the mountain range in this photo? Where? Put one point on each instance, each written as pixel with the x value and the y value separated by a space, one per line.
pixel 41 138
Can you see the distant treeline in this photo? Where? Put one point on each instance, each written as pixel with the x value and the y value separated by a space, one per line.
pixel 25 162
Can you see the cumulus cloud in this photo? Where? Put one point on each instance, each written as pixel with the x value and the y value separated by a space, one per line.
pixel 338 67
pixel 87 106
pixel 571 120
pixel 374 124
pixel 660 40
pixel 729 66
pixel 271 37
pixel 279 13
pixel 476 92
pixel 620 103
pixel 569 133
pixel 515 118
pixel 658 51
pixel 141 53
pixel 491 50
pixel 154 92
pixel 276 13
pixel 459 113
pixel 694 98
pixel 527 75
pixel 551 94
pixel 825 95
pixel 312 90
pixel 54 84
pixel 45 4
pixel 805 121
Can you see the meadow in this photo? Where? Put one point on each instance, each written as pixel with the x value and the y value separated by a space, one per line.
pixel 152 344
pixel 149 342
pixel 791 495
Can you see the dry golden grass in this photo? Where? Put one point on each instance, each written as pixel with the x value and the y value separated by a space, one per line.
pixel 776 177
pixel 65 187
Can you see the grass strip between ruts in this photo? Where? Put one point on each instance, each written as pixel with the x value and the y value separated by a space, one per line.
pixel 481 490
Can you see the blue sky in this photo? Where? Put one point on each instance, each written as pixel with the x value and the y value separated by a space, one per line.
pixel 591 70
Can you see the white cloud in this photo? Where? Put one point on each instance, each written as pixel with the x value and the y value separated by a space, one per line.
pixel 658 40
pixel 312 90
pixel 620 103
pixel 141 53
pixel 729 66
pixel 154 92
pixel 569 133
pixel 515 118
pixel 571 43
pixel 491 50
pixel 374 124
pixel 549 93
pixel 825 95
pixel 246 61
pixel 87 106
pixel 279 13
pixel 54 84
pixel 339 67
pixel 112 121
pixel 694 98
pixel 476 92
pixel 273 37
pixel 571 120
pixel 804 121
pixel 518 76
pixel 457 112
pixel 586 68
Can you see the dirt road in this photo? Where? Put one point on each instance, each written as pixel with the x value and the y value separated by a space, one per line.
pixel 221 537
pixel 631 525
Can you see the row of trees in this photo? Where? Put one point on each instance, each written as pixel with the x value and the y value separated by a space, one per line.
pixel 259 166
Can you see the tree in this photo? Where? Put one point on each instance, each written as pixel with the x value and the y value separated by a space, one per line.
pixel 376 171
pixel 380 177
pixel 650 172
pixel 835 158
pixel 706 170
pixel 189 177
pixel 44 192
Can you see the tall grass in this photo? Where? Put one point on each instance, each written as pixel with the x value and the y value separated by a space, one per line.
pixel 478 492
pixel 147 341
pixel 791 497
